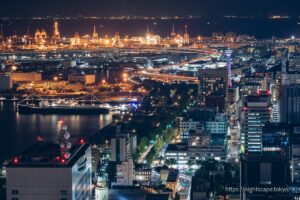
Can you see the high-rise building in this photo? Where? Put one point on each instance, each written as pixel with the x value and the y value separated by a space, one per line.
pixel 295 152
pixel 275 138
pixel 256 112
pixel 266 170
pixel 51 171
pixel 271 167
pixel 121 170
pixel 290 103
pixel 212 82
pixel 120 148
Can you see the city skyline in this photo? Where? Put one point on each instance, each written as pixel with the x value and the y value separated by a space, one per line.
pixel 150 99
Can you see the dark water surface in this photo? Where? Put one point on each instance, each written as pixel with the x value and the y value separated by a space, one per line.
pixel 20 131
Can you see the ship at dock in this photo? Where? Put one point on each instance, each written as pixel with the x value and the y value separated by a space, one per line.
pixel 88 104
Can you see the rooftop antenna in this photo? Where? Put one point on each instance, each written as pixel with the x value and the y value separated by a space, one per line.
pixel 65 144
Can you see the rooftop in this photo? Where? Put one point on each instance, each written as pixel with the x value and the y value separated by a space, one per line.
pixel 173 175
pixel 43 154
pixel 158 197
pixel 177 147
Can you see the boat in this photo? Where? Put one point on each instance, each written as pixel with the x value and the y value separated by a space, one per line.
pixel 62 109
pixel 62 106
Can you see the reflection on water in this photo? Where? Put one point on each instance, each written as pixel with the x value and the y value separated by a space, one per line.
pixel 20 131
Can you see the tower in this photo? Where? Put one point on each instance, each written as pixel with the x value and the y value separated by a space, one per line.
pixel 186 37
pixel 56 33
pixel 228 54
pixel 95 36
pixel 173 33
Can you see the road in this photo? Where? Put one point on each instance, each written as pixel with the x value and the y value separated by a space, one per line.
pixel 233 143
pixel 155 73
pixel 144 155
pixel 168 77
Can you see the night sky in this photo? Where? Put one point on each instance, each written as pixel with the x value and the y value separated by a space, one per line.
pixel 28 8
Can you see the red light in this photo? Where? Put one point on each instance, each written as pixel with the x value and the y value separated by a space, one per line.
pixel 16 160
pixel 245 108
pixel 63 161
pixel 57 158
pixel 81 141
pixel 269 92
pixel 66 156
pixel 40 139
pixel 258 92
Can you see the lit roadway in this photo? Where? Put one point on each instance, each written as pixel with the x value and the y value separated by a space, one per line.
pixel 155 73
pixel 233 144
pixel 143 156
pixel 168 77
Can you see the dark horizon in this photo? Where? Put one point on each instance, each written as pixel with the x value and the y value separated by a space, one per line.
pixel 31 8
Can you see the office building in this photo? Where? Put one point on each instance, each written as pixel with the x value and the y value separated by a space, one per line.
pixel 184 155
pixel 265 170
pixel 256 113
pixel 295 152
pixel 121 167
pixel 217 129
pixel 125 173
pixel 120 148
pixel 290 103
pixel 43 172
pixel 276 138
pixel 212 82
pixel 142 174
pixel 188 124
